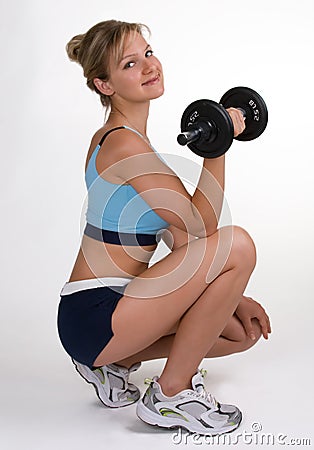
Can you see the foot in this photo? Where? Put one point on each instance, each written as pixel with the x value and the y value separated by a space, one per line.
pixel 111 383
pixel 193 409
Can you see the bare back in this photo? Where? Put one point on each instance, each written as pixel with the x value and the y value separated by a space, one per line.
pixel 98 259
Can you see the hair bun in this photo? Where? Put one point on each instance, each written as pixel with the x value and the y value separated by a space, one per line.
pixel 73 47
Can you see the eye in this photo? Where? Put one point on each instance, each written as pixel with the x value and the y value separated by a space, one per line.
pixel 129 65
pixel 149 53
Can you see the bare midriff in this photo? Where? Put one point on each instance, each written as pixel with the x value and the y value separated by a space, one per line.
pixel 97 260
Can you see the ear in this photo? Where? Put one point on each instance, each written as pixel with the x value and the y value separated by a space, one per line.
pixel 103 86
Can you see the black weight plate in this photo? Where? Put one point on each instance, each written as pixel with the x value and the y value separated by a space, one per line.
pixel 255 109
pixel 209 111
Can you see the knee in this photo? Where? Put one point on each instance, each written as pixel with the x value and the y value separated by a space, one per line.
pixel 243 250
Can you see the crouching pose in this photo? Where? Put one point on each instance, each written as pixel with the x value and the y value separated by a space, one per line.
pixel 116 310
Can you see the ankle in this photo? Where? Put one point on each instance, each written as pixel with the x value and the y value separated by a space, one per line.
pixel 170 388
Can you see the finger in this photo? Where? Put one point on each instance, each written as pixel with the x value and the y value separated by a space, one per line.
pixel 264 327
pixel 267 321
pixel 237 120
pixel 264 321
pixel 268 324
pixel 240 120
pixel 248 327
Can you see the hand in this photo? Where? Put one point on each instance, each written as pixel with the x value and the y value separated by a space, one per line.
pixel 249 309
pixel 238 120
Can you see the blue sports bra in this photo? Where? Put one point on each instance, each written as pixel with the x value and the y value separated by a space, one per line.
pixel 116 213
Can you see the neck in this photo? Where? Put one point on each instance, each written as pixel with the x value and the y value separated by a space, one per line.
pixel 134 115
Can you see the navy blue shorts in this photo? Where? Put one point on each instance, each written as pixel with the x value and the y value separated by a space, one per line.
pixel 84 321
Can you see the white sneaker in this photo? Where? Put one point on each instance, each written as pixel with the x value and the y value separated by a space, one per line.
pixel 111 383
pixel 193 409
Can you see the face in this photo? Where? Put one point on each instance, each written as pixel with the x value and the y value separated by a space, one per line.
pixel 138 76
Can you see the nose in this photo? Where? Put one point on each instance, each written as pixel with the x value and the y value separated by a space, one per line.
pixel 149 66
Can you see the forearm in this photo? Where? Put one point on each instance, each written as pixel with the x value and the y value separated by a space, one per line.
pixel 209 194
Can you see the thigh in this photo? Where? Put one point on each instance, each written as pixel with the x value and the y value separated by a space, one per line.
pixel 154 302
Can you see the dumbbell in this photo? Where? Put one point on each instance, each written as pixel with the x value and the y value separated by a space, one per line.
pixel 207 128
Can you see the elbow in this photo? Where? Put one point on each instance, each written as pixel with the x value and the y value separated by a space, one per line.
pixel 203 225
pixel 203 228
pixel 206 233
pixel 203 231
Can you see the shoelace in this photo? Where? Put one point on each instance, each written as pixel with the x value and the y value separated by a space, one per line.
pixel 124 372
pixel 203 394
pixel 208 397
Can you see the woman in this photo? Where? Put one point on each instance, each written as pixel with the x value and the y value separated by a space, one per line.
pixel 115 310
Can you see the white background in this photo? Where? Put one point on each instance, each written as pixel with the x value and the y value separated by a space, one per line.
pixel 48 116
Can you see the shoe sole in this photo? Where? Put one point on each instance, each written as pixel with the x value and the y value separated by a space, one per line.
pixel 95 382
pixel 148 416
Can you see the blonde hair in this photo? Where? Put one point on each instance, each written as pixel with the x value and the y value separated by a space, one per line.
pixel 94 49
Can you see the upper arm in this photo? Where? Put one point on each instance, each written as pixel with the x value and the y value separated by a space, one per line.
pixel 139 166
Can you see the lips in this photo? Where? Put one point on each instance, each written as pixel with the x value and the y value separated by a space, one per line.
pixel 151 81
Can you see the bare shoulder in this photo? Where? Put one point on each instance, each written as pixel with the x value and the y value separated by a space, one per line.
pixel 131 156
pixel 94 142
pixel 97 136
pixel 112 148
pixel 125 142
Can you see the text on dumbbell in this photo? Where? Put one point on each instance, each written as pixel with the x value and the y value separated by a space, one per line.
pixel 193 117
pixel 255 110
